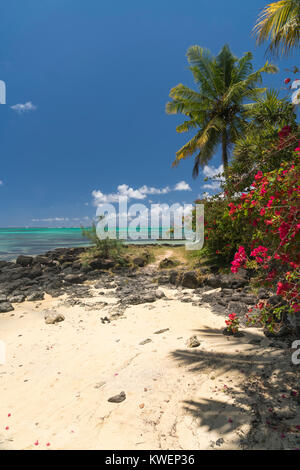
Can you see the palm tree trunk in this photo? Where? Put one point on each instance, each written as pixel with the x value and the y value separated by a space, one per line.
pixel 225 150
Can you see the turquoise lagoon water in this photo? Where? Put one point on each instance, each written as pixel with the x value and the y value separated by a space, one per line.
pixel 34 241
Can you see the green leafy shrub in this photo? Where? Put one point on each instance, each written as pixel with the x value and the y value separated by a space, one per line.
pixel 222 234
pixel 103 248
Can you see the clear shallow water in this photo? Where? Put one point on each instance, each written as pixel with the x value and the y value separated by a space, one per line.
pixel 34 241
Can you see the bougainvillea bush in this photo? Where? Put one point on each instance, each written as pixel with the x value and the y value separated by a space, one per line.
pixel 232 324
pixel 271 210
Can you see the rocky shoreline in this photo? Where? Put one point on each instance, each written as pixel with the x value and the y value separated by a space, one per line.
pixel 62 271
pixel 173 317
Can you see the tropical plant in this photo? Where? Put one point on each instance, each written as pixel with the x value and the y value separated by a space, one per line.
pixel 217 109
pixel 280 23
pixel 232 324
pixel 271 210
pixel 269 139
pixel 102 248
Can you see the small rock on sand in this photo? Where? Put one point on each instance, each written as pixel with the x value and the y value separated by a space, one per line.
pixel 51 318
pixel 99 384
pixel 193 342
pixel 146 341
pixel 161 331
pixel 159 294
pixel 117 398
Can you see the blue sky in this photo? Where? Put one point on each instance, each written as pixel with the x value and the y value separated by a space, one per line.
pixel 97 75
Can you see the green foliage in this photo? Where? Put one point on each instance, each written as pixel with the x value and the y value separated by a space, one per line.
pixel 223 235
pixel 259 147
pixel 217 110
pixel 103 248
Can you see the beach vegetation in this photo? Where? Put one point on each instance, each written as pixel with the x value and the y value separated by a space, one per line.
pixel 106 248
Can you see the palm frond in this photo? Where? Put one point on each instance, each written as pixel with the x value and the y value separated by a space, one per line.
pixel 245 87
pixel 279 22
pixel 206 152
pixel 200 140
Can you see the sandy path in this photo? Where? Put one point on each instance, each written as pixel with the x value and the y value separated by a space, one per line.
pixel 168 253
pixel 57 379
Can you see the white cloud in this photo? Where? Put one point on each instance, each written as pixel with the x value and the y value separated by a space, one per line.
pixel 52 219
pixel 141 193
pixel 210 171
pixel 182 186
pixel 22 108
pixel 63 220
pixel 146 190
pixel 214 185
pixel 1 183
pixel 124 190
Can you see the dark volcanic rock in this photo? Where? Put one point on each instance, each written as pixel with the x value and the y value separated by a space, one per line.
pixel 233 280
pixel 5 264
pixel 237 307
pixel 43 260
pixel 24 260
pixel 136 299
pixel 263 294
pixel 6 307
pixel 9 287
pixel 167 263
pixel 34 272
pixel 54 284
pixel 163 279
pixel 173 279
pixel 16 299
pixel 140 262
pixel 75 278
pixel 212 297
pixel 12 274
pixel 117 398
pixel 159 294
pixel 228 292
pixel 37 295
pixel 227 281
pixel 276 300
pixel 213 281
pixel 190 280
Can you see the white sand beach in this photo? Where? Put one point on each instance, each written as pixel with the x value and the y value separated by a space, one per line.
pixel 57 378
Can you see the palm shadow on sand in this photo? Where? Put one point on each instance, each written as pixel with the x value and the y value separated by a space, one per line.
pixel 256 393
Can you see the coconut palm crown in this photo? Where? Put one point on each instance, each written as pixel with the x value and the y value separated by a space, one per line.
pixel 216 110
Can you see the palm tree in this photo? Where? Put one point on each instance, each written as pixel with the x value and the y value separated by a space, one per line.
pixel 280 22
pixel 216 110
